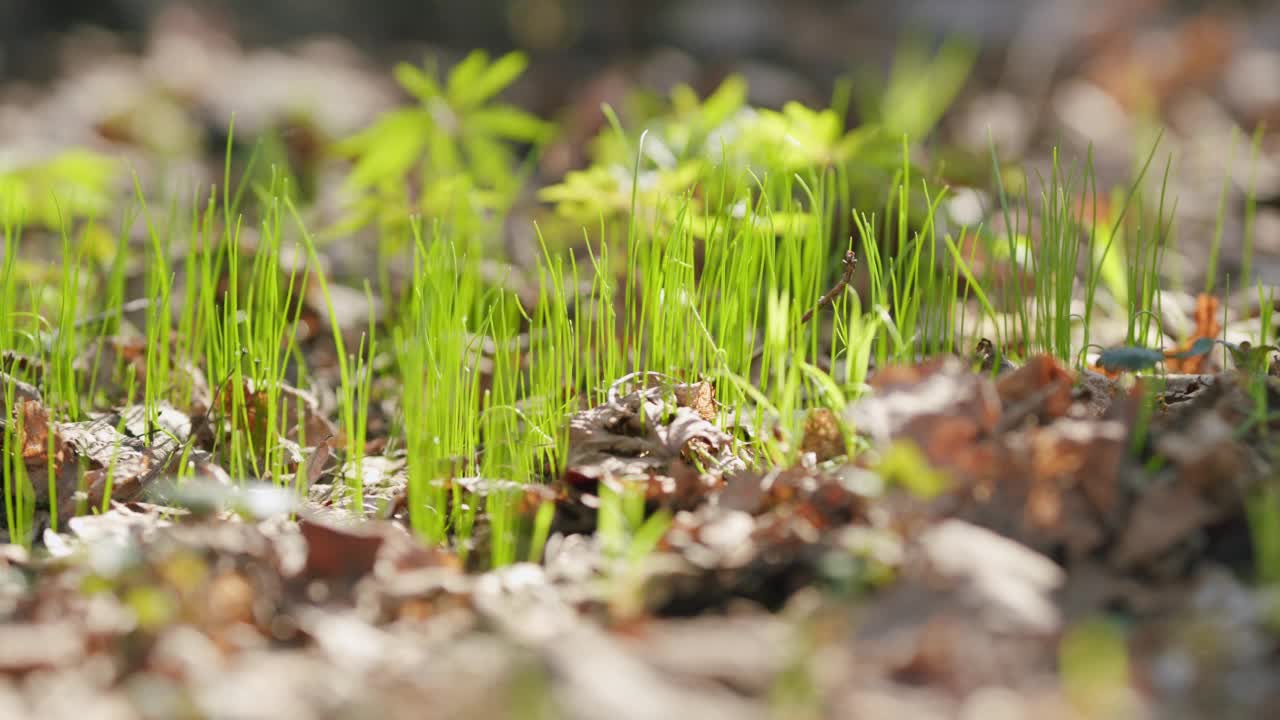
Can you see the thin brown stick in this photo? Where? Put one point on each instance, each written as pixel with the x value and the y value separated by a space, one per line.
pixel 850 263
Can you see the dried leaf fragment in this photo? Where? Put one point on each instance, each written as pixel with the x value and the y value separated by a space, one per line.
pixel 1207 316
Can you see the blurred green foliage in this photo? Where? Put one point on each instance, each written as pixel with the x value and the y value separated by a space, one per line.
pixel 455 145
pixel 73 184
pixel 699 148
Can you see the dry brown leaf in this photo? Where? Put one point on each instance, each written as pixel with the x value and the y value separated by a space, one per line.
pixel 298 411
pixel 1164 516
pixel 943 387
pixel 699 397
pixel 128 461
pixel 1041 387
pixel 636 437
pixel 1082 453
pixel 335 553
pixel 1207 316
pixel 823 435
pixel 104 361
pixel 45 448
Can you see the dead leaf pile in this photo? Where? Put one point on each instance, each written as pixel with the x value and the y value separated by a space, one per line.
pixel 1062 466
pixel 664 435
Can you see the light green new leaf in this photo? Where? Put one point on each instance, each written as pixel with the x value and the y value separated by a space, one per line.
pixel 488 81
pixel 509 123
pixel 387 149
pixel 464 74
pixel 416 82
pixel 724 102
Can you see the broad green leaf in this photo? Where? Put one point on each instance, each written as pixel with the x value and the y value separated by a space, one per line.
pixel 465 74
pixel 869 140
pixel 489 161
pixel 921 88
pixel 416 82
pixel 491 81
pixel 1248 356
pixel 389 148
pixel 724 102
pixel 509 123
pixel 72 184
pixel 684 101
pixel 1108 257
pixel 905 465
pixel 442 154
pixel 649 535
pixel 586 194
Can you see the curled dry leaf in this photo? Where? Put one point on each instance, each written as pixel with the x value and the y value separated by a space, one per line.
pixel 45 448
pixel 1042 387
pixel 27 647
pixel 121 523
pixel 335 553
pixel 1205 450
pixel 823 435
pixel 1095 392
pixel 699 397
pixel 129 463
pixel 1084 454
pixel 1164 517
pixel 640 435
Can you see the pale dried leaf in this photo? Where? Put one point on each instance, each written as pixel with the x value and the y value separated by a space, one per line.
pixel 1165 516
pixel 1012 583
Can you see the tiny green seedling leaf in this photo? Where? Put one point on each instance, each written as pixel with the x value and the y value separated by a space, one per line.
pixel 905 465
pixel 1249 356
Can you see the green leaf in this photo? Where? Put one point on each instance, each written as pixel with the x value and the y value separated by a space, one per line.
pixel 416 82
pixel 71 184
pixel 464 74
pixel 509 123
pixel 442 154
pixel 724 102
pixel 921 88
pixel 489 161
pixel 490 81
pixel 905 465
pixel 586 194
pixel 649 535
pixel 389 148
pixel 1247 356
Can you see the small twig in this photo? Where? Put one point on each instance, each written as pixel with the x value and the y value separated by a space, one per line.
pixel 850 263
